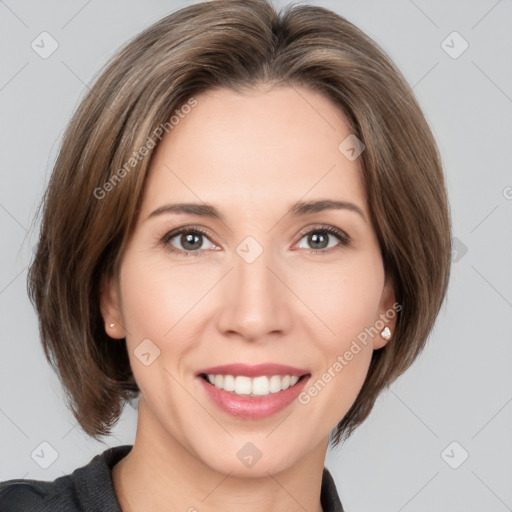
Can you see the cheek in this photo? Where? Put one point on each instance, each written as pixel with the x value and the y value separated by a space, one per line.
pixel 346 302
pixel 335 385
pixel 155 301
pixel 156 296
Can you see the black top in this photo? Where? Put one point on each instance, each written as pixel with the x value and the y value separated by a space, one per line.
pixel 90 489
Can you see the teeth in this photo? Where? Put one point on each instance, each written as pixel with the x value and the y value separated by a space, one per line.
pixel 242 385
pixel 229 383
pixel 275 383
pixel 258 386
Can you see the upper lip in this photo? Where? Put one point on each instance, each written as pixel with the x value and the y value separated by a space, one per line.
pixel 254 370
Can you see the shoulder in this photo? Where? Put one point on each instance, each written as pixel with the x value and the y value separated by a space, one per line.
pixel 21 495
pixel 89 487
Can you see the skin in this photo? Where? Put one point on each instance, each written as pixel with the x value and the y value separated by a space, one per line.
pixel 252 156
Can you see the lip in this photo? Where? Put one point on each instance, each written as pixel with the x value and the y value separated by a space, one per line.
pixel 257 370
pixel 253 407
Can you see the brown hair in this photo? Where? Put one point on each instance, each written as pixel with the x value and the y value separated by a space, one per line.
pixel 235 44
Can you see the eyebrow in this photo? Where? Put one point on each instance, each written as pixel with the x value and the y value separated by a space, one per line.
pixel 299 209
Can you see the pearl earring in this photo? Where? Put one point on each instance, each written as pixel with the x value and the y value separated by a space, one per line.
pixel 386 333
pixel 112 326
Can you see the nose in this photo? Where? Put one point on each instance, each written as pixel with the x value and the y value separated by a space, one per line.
pixel 255 303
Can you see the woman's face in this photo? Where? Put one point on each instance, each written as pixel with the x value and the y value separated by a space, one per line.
pixel 261 284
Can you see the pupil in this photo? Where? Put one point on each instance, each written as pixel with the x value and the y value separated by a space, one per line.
pixel 189 241
pixel 315 239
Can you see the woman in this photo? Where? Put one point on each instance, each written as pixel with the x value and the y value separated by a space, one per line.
pixel 247 227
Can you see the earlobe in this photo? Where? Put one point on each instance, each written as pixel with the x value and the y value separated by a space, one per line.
pixel 387 318
pixel 110 308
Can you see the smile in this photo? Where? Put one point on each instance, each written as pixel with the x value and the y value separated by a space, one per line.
pixel 252 392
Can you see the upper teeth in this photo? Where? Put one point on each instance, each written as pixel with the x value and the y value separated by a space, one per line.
pixel 242 385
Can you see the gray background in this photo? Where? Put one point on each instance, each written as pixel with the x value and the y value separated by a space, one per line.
pixel 460 389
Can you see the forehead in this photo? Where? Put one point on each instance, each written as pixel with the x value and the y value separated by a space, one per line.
pixel 253 149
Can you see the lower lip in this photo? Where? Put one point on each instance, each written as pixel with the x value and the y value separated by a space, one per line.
pixel 253 407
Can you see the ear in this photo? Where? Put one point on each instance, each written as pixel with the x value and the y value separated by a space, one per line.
pixel 388 312
pixel 110 307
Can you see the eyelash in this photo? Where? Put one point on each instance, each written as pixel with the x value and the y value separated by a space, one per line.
pixel 342 237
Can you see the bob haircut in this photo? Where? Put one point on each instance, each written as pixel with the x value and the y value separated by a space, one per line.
pixel 94 194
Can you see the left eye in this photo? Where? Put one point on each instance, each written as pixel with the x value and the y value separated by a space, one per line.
pixel 319 239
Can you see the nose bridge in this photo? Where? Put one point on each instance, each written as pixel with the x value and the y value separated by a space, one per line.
pixel 251 270
pixel 253 304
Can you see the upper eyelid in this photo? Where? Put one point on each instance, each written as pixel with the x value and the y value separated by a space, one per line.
pixel 185 229
pixel 324 227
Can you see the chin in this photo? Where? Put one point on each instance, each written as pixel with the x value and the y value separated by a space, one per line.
pixel 251 456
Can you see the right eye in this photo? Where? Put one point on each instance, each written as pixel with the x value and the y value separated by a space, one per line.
pixel 190 240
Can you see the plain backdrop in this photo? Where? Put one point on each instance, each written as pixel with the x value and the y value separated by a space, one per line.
pixel 440 437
